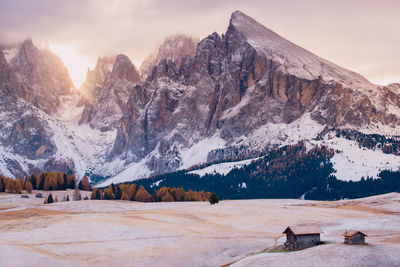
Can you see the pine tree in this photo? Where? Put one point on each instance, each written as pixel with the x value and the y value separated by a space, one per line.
pixel 40 181
pixel 213 198
pixel 65 178
pixel 50 199
pixel 72 182
pixel 2 183
pixel 33 180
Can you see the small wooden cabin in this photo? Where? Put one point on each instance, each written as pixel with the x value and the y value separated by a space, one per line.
pixel 298 237
pixel 354 237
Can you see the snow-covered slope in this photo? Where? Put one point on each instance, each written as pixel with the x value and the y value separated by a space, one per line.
pixel 249 87
pixel 353 162
pixel 294 59
pixel 242 92
pixel 222 168
pixel 77 148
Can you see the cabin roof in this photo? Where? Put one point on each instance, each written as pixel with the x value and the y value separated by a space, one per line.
pixel 352 233
pixel 304 229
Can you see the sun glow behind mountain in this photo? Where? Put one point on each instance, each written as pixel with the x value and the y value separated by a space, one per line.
pixel 77 64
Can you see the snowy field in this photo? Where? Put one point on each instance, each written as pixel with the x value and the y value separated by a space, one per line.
pixel 121 233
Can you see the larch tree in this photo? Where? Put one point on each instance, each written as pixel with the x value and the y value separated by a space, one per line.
pixel 28 187
pixel 10 186
pixel 132 192
pixel 95 194
pixel 18 186
pixel 142 195
pixel 84 184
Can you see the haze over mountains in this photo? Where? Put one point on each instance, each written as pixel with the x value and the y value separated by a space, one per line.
pixel 189 104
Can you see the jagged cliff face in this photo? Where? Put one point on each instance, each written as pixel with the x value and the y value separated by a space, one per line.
pixel 95 78
pixel 21 132
pixel 43 76
pixel 173 48
pixel 247 90
pixel 35 89
pixel 104 109
pixel 8 82
pixel 237 84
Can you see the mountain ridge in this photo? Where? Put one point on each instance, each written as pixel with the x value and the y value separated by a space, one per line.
pixel 247 88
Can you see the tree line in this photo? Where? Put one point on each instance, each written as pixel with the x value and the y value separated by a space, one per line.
pixel 134 192
pixel 50 181
pixel 291 171
pixel 287 172
pixel 47 181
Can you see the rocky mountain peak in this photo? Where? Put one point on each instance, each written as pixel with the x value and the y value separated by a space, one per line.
pixel 174 48
pixel 96 77
pixel 124 69
pixel 246 88
pixel 8 82
pixel 238 17
pixel 43 76
pixel 28 50
pixel 105 108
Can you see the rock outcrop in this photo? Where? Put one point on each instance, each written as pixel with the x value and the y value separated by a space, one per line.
pixel 105 108
pixel 234 85
pixel 174 48
pixel 43 76
pixel 95 78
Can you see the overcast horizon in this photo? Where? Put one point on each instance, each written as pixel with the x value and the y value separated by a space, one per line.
pixel 359 35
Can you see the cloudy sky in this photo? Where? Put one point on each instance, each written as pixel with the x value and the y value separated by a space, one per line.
pixel 362 35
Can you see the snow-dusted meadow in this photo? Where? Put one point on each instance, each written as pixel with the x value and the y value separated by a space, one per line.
pixel 103 233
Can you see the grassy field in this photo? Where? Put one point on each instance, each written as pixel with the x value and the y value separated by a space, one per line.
pixel 99 232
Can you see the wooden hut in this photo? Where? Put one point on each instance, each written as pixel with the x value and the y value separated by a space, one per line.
pixel 298 237
pixel 354 237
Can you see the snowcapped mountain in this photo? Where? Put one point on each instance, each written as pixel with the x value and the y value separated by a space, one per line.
pixel 249 87
pixel 39 111
pixel 235 94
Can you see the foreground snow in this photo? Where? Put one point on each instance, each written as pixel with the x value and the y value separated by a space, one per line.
pixel 102 233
